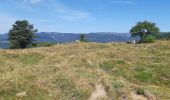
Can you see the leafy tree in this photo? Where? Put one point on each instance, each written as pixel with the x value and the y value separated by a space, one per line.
pixel 145 28
pixel 21 35
pixel 82 37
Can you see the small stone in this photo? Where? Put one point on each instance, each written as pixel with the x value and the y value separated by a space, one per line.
pixel 22 94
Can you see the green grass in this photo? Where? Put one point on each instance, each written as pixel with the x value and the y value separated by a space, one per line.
pixel 71 72
pixel 69 89
pixel 144 76
pixel 107 66
pixel 30 58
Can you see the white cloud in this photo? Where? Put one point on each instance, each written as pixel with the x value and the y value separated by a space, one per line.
pixel 32 1
pixel 58 9
pixel 123 2
pixel 55 9
pixel 45 10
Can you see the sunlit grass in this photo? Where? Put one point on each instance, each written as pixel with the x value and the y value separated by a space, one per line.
pixel 71 71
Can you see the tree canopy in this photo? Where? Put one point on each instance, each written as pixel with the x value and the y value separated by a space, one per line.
pixel 144 29
pixel 21 35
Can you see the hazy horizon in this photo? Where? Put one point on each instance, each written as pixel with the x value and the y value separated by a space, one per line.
pixel 80 32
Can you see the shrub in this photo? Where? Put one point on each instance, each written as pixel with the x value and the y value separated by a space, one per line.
pixel 149 39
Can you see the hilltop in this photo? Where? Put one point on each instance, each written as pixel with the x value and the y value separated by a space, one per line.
pixel 82 71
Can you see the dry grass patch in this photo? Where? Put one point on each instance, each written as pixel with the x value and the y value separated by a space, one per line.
pixel 71 71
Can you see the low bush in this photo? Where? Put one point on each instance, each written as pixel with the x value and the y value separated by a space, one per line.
pixel 149 39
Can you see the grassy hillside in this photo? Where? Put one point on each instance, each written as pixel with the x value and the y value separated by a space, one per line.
pixel 78 71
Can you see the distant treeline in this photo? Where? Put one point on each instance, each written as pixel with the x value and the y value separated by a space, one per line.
pixel 164 36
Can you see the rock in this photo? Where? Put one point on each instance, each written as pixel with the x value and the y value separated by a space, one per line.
pixel 22 94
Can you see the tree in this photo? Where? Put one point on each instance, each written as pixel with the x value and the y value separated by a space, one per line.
pixel 82 37
pixel 21 35
pixel 144 29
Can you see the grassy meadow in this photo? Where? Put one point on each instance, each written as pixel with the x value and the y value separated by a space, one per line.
pixel 71 71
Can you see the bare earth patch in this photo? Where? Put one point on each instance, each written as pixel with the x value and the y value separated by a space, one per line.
pixel 99 93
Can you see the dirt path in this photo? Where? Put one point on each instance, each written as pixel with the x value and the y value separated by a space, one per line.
pixel 99 93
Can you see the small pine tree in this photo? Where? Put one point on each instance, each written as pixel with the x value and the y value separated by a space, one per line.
pixel 21 35
pixel 82 37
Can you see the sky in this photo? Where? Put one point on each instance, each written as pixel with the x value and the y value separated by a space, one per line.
pixel 84 16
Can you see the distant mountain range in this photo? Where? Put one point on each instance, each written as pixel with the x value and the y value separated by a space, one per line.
pixel 56 37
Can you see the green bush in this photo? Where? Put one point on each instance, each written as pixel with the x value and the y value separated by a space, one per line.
pixel 149 39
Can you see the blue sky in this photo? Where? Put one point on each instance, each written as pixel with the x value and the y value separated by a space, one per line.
pixel 83 16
